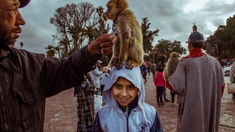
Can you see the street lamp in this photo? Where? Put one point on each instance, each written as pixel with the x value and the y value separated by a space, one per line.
pixel 153 52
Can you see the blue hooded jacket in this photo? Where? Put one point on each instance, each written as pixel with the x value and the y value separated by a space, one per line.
pixel 111 118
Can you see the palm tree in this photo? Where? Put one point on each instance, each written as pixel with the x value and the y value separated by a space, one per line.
pixel 50 51
pixel 91 33
pixel 57 49
pixel 65 44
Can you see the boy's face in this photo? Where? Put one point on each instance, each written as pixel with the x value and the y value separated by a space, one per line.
pixel 124 91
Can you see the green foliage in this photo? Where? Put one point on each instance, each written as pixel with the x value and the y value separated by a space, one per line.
pixel 222 43
pixel 77 25
pixel 148 35
pixel 50 51
pixel 165 47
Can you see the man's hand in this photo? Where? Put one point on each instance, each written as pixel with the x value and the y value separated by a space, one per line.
pixel 102 45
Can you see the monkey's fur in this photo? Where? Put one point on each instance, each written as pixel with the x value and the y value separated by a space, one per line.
pixel 171 65
pixel 129 45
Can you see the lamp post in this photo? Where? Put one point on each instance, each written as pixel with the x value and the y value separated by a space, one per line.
pixel 153 52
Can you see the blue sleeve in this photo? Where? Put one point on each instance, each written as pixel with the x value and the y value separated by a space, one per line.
pixel 157 125
pixel 97 127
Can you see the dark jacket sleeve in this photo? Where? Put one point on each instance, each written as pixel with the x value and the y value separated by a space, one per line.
pixel 157 125
pixel 97 127
pixel 61 74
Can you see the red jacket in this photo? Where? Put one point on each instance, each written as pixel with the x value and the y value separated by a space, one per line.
pixel 159 79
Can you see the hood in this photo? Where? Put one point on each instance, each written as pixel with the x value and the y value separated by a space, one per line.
pixel 133 75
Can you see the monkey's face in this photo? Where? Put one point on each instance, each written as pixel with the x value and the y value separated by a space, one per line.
pixel 174 54
pixel 112 11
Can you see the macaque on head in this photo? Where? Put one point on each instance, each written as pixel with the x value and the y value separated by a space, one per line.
pixel 129 46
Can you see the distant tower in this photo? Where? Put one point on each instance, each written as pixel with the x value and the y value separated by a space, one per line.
pixel 194 28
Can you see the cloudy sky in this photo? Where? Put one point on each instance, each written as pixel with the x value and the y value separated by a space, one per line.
pixel 174 18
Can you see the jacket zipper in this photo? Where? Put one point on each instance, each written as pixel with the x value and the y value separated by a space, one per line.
pixel 127 124
pixel 127 116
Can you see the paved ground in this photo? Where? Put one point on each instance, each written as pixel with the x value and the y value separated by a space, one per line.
pixel 61 111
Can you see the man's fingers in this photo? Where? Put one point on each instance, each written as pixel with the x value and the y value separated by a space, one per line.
pixel 106 50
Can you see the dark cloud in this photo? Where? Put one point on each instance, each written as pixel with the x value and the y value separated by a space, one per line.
pixel 169 16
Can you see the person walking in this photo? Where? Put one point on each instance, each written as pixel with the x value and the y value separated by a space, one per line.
pixel 104 78
pixel 96 75
pixel 27 78
pixel 232 75
pixel 148 68
pixel 161 65
pixel 199 83
pixel 143 69
pixel 153 69
pixel 159 83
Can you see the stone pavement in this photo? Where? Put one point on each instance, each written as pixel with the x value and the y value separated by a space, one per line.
pixel 61 111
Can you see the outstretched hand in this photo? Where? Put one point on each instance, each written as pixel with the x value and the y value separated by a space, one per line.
pixel 102 45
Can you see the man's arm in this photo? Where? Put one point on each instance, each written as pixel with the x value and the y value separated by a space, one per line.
pixel 222 90
pixel 61 74
pixel 168 85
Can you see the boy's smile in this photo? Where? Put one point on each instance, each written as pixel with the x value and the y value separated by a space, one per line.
pixel 124 91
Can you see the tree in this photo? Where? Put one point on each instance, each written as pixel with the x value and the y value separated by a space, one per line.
pixel 165 47
pixel 230 31
pixel 212 45
pixel 91 33
pixel 57 49
pixel 176 47
pixel 223 40
pixel 65 46
pixel 102 26
pixel 148 35
pixel 71 22
pixel 50 51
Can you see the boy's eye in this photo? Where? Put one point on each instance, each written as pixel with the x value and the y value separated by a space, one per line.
pixel 132 87
pixel 117 86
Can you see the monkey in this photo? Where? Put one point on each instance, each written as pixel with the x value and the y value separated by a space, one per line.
pixel 129 45
pixel 171 65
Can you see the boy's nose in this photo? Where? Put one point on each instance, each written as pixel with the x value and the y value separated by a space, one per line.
pixel 124 92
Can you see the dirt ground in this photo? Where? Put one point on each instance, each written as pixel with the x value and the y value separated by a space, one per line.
pixel 61 111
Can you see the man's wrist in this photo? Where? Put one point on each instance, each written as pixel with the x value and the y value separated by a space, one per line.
pixel 90 57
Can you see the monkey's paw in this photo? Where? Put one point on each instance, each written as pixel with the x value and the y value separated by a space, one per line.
pixel 115 63
pixel 131 64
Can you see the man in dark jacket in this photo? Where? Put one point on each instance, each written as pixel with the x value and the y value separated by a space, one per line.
pixel 27 79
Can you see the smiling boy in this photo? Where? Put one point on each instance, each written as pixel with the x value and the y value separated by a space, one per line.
pixel 125 109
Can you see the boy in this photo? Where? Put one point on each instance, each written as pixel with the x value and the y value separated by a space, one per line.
pixel 125 109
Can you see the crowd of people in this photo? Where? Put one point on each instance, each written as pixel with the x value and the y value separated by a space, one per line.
pixel 27 79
